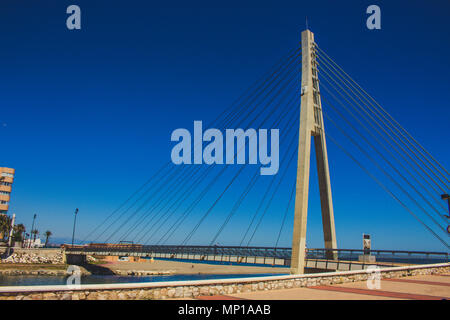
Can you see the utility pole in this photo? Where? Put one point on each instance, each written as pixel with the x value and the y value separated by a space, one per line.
pixel 74 223
pixel 311 124
pixel 31 232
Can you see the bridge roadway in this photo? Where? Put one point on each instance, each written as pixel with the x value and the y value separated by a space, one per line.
pixel 253 255
pixel 315 258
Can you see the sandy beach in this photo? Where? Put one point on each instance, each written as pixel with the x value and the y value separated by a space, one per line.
pixel 177 267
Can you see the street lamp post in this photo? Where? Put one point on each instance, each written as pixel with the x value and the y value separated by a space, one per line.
pixel 31 232
pixel 74 223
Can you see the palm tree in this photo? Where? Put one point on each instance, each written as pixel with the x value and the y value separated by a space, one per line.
pixel 19 231
pixel 5 226
pixel 27 239
pixel 34 232
pixel 48 234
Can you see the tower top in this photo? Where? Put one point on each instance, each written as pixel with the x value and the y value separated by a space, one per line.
pixel 307 36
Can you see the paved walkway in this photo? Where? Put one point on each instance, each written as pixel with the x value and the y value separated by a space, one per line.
pixel 430 287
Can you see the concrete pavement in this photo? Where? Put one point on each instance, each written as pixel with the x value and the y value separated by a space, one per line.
pixel 427 287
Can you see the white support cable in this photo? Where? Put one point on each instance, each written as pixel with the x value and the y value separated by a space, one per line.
pixel 230 111
pixel 438 201
pixel 409 138
pixel 249 112
pixel 285 213
pixel 274 192
pixel 187 178
pixel 388 191
pixel 382 170
pixel 281 114
pixel 239 202
pixel 187 212
pixel 211 207
pixel 327 65
pixel 373 121
pixel 384 146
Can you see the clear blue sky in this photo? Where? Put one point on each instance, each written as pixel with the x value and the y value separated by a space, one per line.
pixel 86 116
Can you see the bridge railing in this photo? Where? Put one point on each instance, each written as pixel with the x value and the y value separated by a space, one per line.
pixel 387 257
pixel 392 257
pixel 282 253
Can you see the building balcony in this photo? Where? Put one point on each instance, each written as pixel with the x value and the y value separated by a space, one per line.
pixel 5 188
pixel 6 179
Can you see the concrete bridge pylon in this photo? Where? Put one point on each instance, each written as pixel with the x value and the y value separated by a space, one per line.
pixel 311 125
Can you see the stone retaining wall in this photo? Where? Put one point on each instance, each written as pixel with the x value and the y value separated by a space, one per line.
pixel 142 272
pixel 43 252
pixel 23 270
pixel 34 256
pixel 40 272
pixel 190 289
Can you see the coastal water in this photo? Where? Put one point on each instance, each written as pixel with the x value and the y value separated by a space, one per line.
pixel 33 280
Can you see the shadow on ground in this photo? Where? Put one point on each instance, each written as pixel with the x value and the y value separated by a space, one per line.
pixel 97 269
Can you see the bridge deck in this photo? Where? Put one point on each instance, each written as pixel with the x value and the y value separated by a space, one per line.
pixel 316 258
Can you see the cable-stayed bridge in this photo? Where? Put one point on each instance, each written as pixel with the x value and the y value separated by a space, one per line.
pixel 302 94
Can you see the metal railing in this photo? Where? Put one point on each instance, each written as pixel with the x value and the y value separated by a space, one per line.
pixel 269 252
pixel 392 257
pixel 386 257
